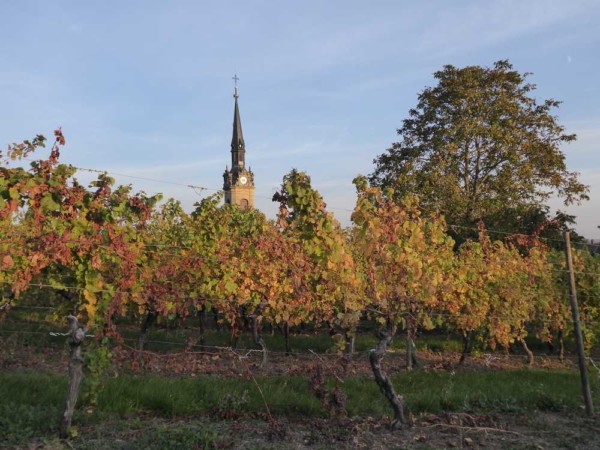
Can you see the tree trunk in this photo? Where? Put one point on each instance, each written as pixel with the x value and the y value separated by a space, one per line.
pixel 258 339
pixel 561 342
pixel 148 321
pixel 6 307
pixel 529 352
pixel 233 340
pixel 215 315
pixel 201 314
pixel 468 346
pixel 350 339
pixel 411 350
pixel 381 378
pixel 413 354
pixel 286 335
pixel 75 374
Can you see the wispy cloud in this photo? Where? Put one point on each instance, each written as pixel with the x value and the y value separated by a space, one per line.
pixel 481 24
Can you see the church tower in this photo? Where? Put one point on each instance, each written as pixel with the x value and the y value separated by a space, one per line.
pixel 238 183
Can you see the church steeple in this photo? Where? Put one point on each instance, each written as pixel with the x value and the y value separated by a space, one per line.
pixel 238 182
pixel 238 148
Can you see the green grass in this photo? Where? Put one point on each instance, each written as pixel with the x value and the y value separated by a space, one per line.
pixel 32 402
pixel 511 391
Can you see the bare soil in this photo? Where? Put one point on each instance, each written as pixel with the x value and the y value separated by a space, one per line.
pixel 451 431
pixel 226 363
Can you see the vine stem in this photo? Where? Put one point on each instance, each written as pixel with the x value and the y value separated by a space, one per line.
pixel 327 364
pixel 270 418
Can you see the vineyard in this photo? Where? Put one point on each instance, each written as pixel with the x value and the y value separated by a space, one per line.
pixel 233 320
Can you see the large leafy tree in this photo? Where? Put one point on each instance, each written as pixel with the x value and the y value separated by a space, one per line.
pixel 479 147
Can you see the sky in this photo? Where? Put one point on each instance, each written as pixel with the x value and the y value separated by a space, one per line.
pixel 143 89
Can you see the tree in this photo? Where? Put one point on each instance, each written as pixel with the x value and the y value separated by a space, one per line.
pixel 166 268
pixel 479 147
pixel 272 279
pixel 499 289
pixel 407 261
pixel 303 217
pixel 55 232
pixel 220 235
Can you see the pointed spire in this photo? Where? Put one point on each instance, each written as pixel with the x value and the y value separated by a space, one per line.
pixel 237 140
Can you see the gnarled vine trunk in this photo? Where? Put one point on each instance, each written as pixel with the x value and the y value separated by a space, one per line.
pixel 6 306
pixel 411 350
pixel 201 314
pixel 561 342
pixel 148 321
pixel 76 362
pixel 350 339
pixel 258 339
pixel 286 335
pixel 381 378
pixel 529 352
pixel 467 347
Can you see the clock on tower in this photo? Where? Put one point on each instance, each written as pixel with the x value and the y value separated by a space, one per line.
pixel 238 183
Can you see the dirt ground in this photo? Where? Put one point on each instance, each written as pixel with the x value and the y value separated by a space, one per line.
pixel 451 431
pixel 447 431
pixel 226 363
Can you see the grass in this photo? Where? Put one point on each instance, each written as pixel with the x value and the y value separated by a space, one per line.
pixel 32 402
pixel 511 391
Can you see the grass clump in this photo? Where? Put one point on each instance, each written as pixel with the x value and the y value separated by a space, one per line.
pixel 31 405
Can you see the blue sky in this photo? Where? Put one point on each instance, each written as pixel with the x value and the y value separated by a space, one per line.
pixel 143 88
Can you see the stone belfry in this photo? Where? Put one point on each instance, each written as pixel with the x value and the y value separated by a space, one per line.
pixel 238 182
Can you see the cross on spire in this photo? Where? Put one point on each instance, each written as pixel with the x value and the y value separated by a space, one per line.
pixel 235 79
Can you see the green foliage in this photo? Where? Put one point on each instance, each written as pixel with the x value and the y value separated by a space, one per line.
pixel 478 146
pixel 98 360
pixel 407 258
pixel 335 281
pixel 220 236
pixel 498 289
pixel 57 232
pixel 587 284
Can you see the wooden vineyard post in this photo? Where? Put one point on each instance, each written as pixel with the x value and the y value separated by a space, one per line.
pixel 585 384
pixel 77 335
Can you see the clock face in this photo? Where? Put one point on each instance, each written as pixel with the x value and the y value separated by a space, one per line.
pixel 243 180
